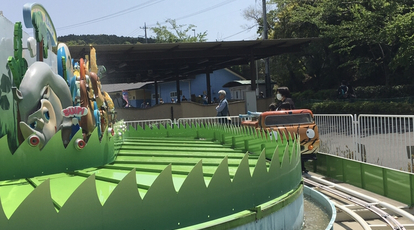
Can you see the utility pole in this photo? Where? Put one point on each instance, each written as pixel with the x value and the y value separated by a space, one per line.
pixel 267 70
pixel 264 20
pixel 145 29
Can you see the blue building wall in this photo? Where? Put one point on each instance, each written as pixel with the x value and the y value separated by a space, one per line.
pixel 166 88
pixel 217 79
pixel 196 86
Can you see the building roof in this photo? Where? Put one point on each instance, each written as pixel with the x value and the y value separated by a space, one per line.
pixel 244 82
pixel 109 88
pixel 169 61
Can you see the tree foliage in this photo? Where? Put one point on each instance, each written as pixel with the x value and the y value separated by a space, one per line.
pixel 101 39
pixel 177 33
pixel 367 42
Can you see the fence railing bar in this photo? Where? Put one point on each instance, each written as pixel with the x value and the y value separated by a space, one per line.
pixel 386 140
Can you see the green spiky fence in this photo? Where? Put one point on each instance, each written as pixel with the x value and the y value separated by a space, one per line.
pixel 163 178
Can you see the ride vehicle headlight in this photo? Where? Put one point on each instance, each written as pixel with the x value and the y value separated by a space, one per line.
pixel 310 133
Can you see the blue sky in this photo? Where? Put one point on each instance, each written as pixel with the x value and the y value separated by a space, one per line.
pixel 222 19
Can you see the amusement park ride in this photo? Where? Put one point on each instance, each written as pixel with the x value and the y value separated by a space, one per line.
pixel 281 123
pixel 66 162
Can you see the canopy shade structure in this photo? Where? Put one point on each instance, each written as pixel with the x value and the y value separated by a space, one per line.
pixel 110 88
pixel 172 61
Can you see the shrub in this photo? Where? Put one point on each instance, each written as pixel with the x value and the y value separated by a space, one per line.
pixel 365 92
pixel 361 107
pixel 384 91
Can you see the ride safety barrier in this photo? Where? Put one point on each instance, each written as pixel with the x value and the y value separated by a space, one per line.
pixel 234 120
pixel 384 140
pixel 150 123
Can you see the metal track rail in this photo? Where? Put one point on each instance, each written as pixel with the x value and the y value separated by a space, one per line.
pixel 387 218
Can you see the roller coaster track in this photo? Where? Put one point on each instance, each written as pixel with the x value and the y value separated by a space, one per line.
pixel 358 206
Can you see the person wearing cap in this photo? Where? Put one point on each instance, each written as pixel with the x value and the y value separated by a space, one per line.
pixel 223 106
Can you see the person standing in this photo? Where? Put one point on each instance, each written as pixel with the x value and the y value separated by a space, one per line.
pixel 261 95
pixel 125 98
pixel 351 92
pixel 223 106
pixel 205 99
pixel 343 91
pixel 284 98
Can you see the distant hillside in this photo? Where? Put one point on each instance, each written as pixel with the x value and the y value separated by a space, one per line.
pixel 100 39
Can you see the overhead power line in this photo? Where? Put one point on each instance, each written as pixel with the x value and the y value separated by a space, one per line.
pixel 205 10
pixel 239 32
pixel 186 16
pixel 113 15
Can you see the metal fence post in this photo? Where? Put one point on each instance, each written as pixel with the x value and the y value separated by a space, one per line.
pixel 355 135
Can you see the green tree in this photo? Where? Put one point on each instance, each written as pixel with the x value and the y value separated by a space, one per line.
pixel 177 33
pixel 375 36
pixel 101 39
pixel 369 42
pixel 400 34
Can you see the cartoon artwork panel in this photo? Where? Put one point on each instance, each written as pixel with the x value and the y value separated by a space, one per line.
pixel 48 102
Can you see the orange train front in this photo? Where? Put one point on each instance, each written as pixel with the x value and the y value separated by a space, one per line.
pixel 279 123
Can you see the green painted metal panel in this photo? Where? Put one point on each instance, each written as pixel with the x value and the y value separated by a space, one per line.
pixel 13 196
pixel 63 187
pixel 166 143
pixel 388 182
pixel 167 153
pixel 3 218
pixel 82 210
pixel 123 209
pixel 412 188
pixel 352 173
pixel 398 184
pixel 36 211
pixel 177 148
pixel 335 168
pixel 30 161
pixel 145 182
pixel 245 217
pixel 373 177
pixel 166 160
pixel 321 162
pixel 208 171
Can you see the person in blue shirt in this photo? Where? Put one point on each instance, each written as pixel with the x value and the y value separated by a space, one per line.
pixel 223 106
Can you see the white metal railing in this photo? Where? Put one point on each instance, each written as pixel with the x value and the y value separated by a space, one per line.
pixel 336 134
pixel 150 123
pixel 234 120
pixel 386 140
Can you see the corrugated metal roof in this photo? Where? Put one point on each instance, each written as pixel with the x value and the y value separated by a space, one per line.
pixel 243 82
pixel 167 61
pixel 109 88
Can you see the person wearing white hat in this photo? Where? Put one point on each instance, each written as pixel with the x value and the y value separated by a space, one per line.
pixel 223 106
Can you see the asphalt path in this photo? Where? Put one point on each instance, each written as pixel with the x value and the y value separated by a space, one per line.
pixel 388 149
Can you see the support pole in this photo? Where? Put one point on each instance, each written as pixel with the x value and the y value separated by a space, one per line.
pixel 253 73
pixel 177 79
pixel 208 87
pixel 156 91
pixel 267 69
